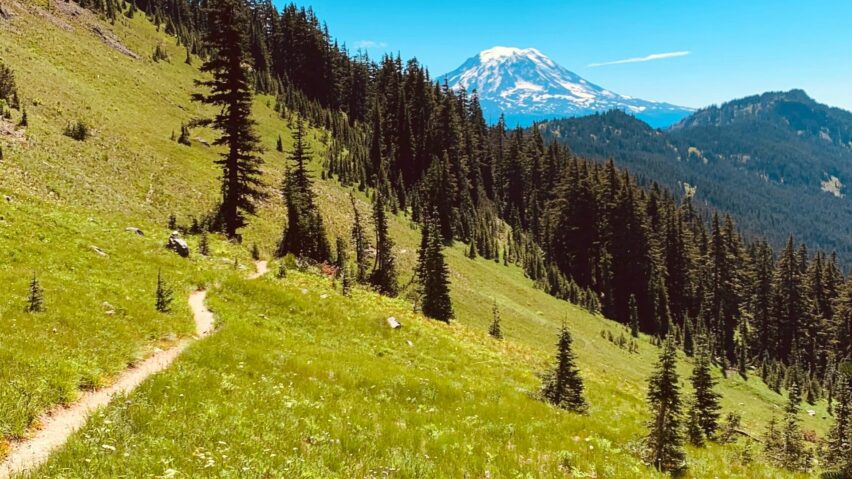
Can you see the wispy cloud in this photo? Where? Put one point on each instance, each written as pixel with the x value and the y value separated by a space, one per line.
pixel 647 58
pixel 365 44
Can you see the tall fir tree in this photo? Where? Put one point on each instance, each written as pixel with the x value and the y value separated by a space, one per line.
pixel 384 275
pixel 633 316
pixel 838 451
pixel 562 386
pixel 664 441
pixel 341 257
pixel 304 234
pixel 230 91
pixel 705 399
pixel 359 242
pixel 433 275
pixel 793 454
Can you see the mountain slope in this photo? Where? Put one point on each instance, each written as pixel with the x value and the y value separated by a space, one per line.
pixel 780 162
pixel 527 86
pixel 299 381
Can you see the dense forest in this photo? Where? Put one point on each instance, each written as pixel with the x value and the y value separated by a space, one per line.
pixel 583 230
pixel 769 160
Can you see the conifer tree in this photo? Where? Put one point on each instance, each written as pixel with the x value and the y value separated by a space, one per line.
pixel 35 298
pixel 563 386
pixel 793 454
pixel 359 241
pixel 304 235
pixel 279 145
pixel 633 311
pixel 495 330
pixel 705 399
pixel 433 275
pixel 688 337
pixel 229 90
pixel 346 280
pixel 694 431
pixel 164 295
pixel 839 441
pixel 664 441
pixel 384 275
pixel 204 244
pixel 24 121
pixel 340 260
pixel 255 252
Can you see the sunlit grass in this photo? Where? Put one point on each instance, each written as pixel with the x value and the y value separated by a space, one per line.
pixel 294 385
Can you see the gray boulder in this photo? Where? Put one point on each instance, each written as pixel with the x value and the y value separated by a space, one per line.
pixel 178 245
pixel 134 229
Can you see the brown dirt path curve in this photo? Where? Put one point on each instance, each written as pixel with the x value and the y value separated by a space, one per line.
pixel 57 424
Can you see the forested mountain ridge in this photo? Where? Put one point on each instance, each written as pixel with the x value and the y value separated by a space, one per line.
pixel 780 162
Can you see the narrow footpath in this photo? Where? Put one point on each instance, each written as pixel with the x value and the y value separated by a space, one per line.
pixel 58 423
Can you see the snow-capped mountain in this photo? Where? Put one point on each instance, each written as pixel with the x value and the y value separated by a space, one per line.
pixel 526 86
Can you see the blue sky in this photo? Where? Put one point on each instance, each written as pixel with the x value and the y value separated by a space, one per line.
pixel 735 48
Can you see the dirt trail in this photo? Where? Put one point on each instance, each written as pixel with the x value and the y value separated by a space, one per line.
pixel 57 424
pixel 262 268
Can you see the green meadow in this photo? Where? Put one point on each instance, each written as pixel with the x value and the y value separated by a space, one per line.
pixel 299 381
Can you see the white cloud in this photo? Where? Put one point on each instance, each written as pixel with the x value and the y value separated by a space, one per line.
pixel 365 44
pixel 647 58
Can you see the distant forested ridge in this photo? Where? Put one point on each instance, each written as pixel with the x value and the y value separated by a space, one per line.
pixel 780 162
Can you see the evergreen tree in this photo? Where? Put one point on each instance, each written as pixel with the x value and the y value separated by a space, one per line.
pixel 204 244
pixel 563 386
pixel 841 324
pixel 705 399
pixel 35 298
pixel 694 431
pixel 346 281
pixel 495 330
pixel 163 295
pixel 279 145
pixel 384 275
pixel 664 441
pixel 24 121
pixel 359 241
pixel 230 92
pixel 633 310
pixel 789 304
pixel 340 261
pixel 304 234
pixel 839 441
pixel 433 275
pixel 793 454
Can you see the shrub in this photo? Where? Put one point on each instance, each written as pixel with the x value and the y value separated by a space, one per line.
pixel 78 130
pixel 8 90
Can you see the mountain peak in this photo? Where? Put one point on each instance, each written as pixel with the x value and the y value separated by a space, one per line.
pixel 525 85
pixel 499 53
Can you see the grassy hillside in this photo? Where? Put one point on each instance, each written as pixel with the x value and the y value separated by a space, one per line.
pixel 299 382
